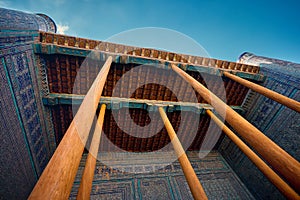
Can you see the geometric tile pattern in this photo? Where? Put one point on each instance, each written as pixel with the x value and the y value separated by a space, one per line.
pixel 17 169
pixel 17 64
pixel 279 123
pixel 24 141
pixel 27 102
pixel 112 190
pixel 217 178
pixel 18 20
pixel 158 188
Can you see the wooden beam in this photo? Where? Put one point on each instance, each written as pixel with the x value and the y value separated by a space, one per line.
pixel 291 103
pixel 57 179
pixel 54 99
pixel 86 182
pixel 282 186
pixel 279 159
pixel 42 48
pixel 189 173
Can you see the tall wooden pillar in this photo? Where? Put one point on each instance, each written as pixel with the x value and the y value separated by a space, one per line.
pixel 85 187
pixel 282 186
pixel 57 179
pixel 279 159
pixel 291 103
pixel 189 173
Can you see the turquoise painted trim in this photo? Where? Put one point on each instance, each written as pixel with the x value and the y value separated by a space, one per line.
pixel 20 119
pixel 295 90
pixel 139 189
pixel 255 77
pixel 174 181
pixel 126 59
pixel 203 69
pixel 133 189
pixel 117 103
pixel 36 162
pixel 170 186
pixel 18 33
pixel 142 61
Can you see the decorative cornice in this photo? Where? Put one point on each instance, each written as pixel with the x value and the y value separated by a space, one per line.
pixel 235 68
pixel 82 44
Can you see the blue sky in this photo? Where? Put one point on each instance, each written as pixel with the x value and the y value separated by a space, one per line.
pixel 224 28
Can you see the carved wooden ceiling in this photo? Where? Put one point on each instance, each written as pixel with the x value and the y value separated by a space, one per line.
pixel 63 59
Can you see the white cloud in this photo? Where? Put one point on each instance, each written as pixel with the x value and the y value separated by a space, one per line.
pixel 61 29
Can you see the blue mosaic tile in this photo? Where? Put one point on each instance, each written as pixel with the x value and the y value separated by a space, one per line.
pixel 18 20
pixel 279 123
pixel 17 172
pixel 110 190
pixel 25 148
pixel 168 182
pixel 157 188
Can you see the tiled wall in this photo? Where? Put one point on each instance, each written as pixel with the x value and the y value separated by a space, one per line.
pixel 24 142
pixel 164 181
pixel 279 123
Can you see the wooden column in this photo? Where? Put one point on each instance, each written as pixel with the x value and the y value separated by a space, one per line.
pixel 57 179
pixel 279 159
pixel 189 173
pixel 85 187
pixel 291 103
pixel 282 186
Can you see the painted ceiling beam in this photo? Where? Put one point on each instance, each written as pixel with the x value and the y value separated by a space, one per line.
pixel 115 103
pixel 41 48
